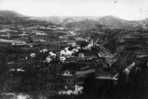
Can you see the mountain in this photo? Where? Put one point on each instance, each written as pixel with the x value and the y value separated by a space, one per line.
pixel 9 14
pixel 85 24
pixel 114 22
pixel 8 17
pixel 105 22
pixel 78 23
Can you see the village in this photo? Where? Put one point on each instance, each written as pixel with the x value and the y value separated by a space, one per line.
pixel 55 60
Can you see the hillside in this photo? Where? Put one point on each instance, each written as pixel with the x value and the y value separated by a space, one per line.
pixel 37 53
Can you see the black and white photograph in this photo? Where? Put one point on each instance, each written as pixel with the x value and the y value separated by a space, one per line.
pixel 73 49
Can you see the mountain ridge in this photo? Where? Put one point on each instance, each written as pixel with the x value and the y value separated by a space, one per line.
pixel 81 22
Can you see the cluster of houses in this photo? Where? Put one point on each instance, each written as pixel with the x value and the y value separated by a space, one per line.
pixel 63 54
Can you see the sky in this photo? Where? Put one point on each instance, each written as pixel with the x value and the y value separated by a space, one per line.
pixel 126 9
